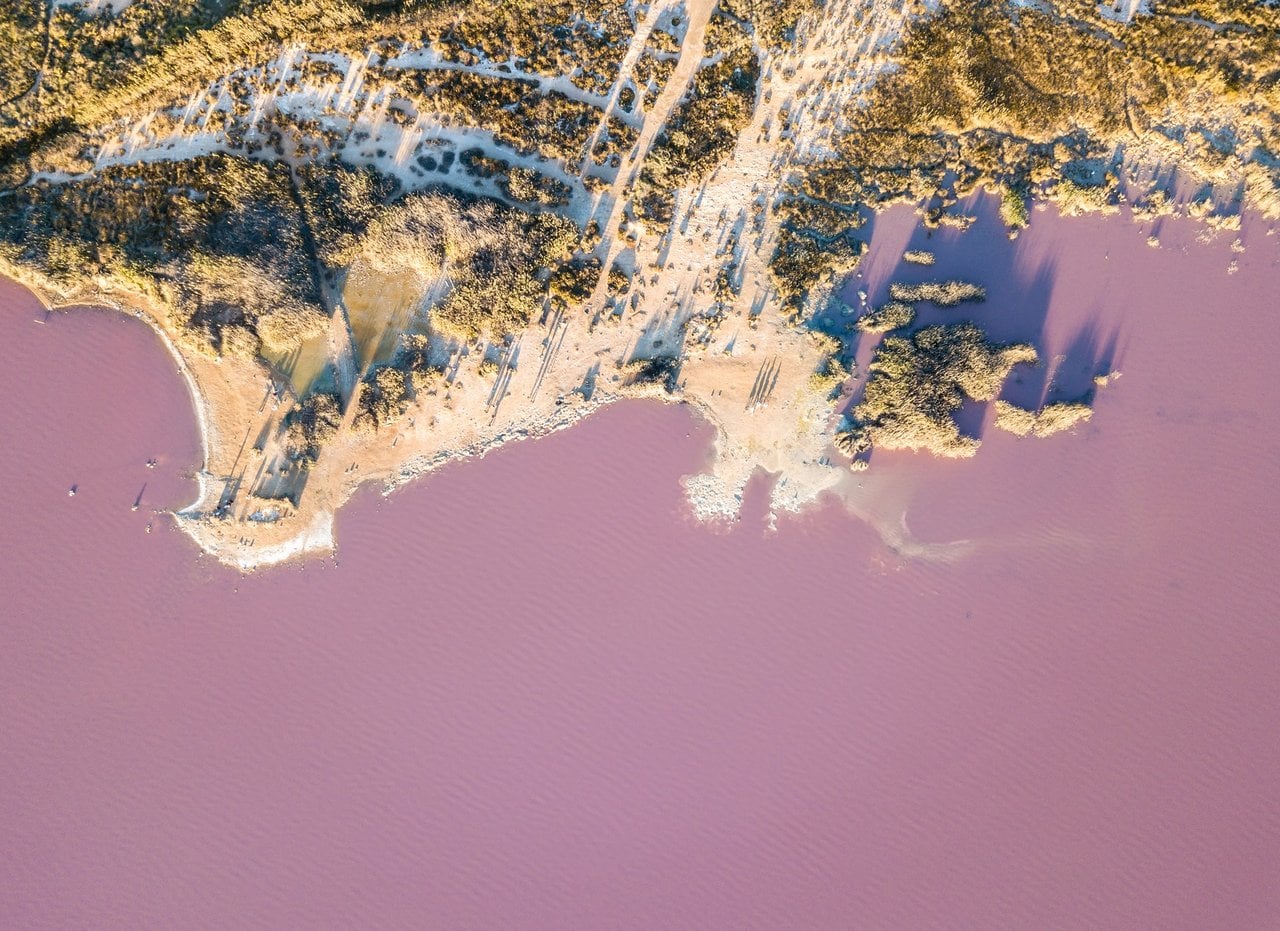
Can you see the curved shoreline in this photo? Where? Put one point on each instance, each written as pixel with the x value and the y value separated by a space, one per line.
pixel 104 300
pixel 787 433
pixel 317 535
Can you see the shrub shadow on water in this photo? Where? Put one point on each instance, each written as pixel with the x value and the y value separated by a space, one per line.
pixel 1092 353
pixel 1020 289
pixel 971 418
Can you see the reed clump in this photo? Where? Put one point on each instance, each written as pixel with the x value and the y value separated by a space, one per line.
pixel 942 293
pixel 892 316
pixel 1050 419
pixel 917 383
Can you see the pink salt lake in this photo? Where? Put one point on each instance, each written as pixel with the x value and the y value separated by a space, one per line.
pixel 532 692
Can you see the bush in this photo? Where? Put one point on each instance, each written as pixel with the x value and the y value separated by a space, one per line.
pixel 918 383
pixel 831 374
pixel 310 424
pixel 1051 419
pixel 1013 208
pixel 384 395
pixel 285 328
pixel 892 316
pixel 942 293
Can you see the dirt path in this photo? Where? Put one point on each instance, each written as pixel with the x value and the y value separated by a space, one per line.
pixel 692 51
pixel 638 41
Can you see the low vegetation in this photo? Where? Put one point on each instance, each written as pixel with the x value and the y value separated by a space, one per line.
pixel 892 316
pixel 483 260
pixel 817 244
pixel 414 359
pixel 829 377
pixel 660 371
pixel 1050 419
pixel 942 293
pixel 807 262
pixel 552 38
pixel 918 383
pixel 516 111
pixel 573 281
pixel 310 424
pixel 774 21
pixel 1047 101
pixel 384 396
pixel 220 239
pixel 705 127
pixel 22 35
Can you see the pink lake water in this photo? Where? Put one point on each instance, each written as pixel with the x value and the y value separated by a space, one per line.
pixel 532 692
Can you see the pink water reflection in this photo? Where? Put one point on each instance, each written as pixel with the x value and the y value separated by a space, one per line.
pixel 531 692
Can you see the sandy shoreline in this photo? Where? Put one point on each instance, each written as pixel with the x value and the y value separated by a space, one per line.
pixel 140 308
pixel 786 431
pixel 224 411
pixel 104 300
